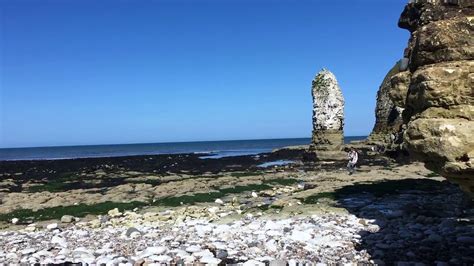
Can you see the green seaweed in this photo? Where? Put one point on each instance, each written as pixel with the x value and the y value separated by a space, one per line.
pixel 244 174
pixel 282 181
pixel 153 182
pixel 267 207
pixel 240 189
pixel 208 196
pixel 62 183
pixel 79 210
pixel 432 174
pixel 50 187
pixel 188 199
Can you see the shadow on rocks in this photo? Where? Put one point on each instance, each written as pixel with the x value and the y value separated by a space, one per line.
pixel 416 221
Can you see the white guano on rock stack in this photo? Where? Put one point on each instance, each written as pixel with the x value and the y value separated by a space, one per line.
pixel 328 112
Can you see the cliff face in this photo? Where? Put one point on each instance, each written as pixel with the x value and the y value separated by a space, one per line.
pixel 328 112
pixel 388 115
pixel 437 88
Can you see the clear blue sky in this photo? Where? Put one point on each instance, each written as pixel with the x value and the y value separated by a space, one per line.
pixel 97 72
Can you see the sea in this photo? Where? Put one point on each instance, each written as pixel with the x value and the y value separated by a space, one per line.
pixel 208 149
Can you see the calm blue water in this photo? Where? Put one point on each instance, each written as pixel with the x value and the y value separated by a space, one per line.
pixel 214 148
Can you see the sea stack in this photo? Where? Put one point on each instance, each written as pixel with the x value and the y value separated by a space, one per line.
pixel 437 87
pixel 328 113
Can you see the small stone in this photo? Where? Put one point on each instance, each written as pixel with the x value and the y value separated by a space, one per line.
pixel 465 239
pixel 139 262
pixel 254 195
pixel 222 254
pixel 103 219
pixel 104 261
pixel 43 253
pixel 28 251
pixel 67 219
pixel 82 251
pixel 135 234
pixel 394 214
pixel 277 263
pixel 213 209
pixel 210 260
pixel 271 245
pixel 30 228
pixel 378 253
pixel 149 251
pixel 11 256
pixel 204 253
pixel 382 246
pixel 300 236
pixel 48 261
pixel 224 214
pixel 52 226
pixel 59 240
pixel 95 223
pixel 435 238
pixel 163 258
pixel 403 263
pixel 379 262
pixel 219 201
pixel 133 231
pixel 114 213
pixel 81 233
pixel 253 263
pixel 189 259
pixel 15 220
pixel 63 252
pixel 193 248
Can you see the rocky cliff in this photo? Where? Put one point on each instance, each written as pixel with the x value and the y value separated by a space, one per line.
pixel 328 112
pixel 388 116
pixel 437 88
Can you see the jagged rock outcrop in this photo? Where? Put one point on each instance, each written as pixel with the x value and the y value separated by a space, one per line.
pixel 388 114
pixel 437 89
pixel 328 112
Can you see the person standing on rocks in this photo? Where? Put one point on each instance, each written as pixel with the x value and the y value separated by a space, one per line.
pixel 353 157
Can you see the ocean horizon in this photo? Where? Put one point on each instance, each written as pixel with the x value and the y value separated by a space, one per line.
pixel 213 149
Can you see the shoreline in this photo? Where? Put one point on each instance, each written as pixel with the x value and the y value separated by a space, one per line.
pixel 220 148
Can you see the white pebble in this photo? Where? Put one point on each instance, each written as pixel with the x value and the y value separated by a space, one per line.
pixel 52 226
